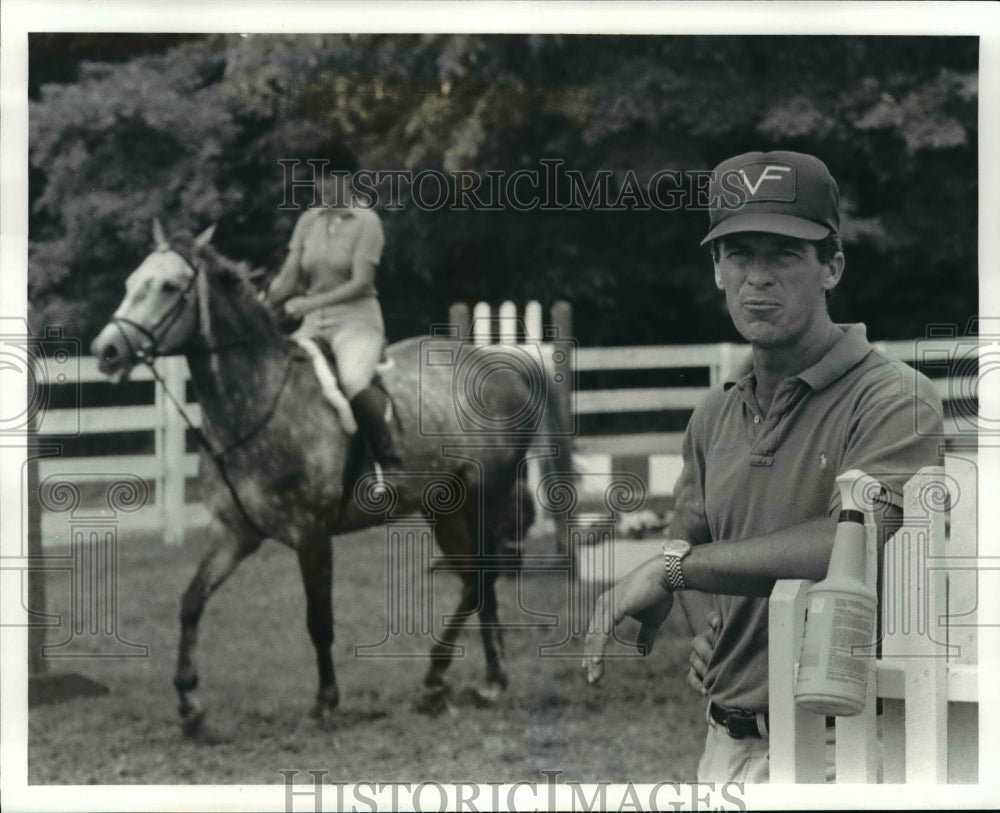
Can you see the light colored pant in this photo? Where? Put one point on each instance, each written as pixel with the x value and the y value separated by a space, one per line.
pixel 358 353
pixel 730 760
pixel 357 335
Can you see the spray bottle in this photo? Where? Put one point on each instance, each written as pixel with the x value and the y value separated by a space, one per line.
pixel 833 666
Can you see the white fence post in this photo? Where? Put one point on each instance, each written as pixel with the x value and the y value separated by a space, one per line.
pixel 544 524
pixel 724 365
pixel 796 737
pixel 928 686
pixel 914 602
pixel 856 737
pixel 481 327
pixel 508 323
pixel 961 475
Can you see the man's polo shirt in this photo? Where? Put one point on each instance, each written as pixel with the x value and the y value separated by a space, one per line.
pixel 747 474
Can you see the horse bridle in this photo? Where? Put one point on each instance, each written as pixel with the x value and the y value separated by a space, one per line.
pixel 151 349
pixel 148 353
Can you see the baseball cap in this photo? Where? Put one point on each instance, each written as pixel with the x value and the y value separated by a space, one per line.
pixel 780 192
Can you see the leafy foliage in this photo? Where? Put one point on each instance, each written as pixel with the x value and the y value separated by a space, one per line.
pixel 192 134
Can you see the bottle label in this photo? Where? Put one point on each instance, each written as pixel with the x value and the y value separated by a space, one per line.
pixel 852 632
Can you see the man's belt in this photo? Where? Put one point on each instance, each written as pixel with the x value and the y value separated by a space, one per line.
pixel 739 723
pixel 742 723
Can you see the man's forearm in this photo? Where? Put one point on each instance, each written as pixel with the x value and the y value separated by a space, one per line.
pixel 696 606
pixel 750 567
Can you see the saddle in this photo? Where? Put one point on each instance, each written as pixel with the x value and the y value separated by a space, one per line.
pixel 360 461
pixel 324 363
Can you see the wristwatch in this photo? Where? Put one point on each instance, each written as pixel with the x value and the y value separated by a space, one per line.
pixel 673 551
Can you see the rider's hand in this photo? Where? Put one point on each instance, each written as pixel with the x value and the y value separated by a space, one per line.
pixel 298 306
pixel 702 646
pixel 644 596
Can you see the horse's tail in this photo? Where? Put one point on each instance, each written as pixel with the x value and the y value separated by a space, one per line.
pixel 556 427
pixel 551 445
pixel 553 442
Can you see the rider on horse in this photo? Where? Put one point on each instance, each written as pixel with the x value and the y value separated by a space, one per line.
pixel 328 280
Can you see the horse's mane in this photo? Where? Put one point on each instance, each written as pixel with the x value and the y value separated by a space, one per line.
pixel 233 272
pixel 235 276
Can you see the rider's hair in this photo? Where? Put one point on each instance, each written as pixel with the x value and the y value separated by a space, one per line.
pixel 339 157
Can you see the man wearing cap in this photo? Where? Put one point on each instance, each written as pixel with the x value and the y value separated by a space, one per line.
pixel 757 500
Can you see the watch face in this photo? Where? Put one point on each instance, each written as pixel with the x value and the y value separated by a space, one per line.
pixel 676 547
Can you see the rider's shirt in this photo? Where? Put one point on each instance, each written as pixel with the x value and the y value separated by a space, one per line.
pixel 326 242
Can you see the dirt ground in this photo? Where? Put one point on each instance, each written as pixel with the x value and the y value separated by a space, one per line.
pixel 258 679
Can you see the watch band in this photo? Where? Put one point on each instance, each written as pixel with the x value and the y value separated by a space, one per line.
pixel 672 563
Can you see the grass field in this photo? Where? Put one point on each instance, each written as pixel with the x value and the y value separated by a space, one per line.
pixel 258 678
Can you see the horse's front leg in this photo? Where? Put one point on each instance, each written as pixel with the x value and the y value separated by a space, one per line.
pixel 227 551
pixel 316 564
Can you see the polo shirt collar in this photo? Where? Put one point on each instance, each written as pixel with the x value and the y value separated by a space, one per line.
pixel 850 349
pixel 343 212
pixel 741 374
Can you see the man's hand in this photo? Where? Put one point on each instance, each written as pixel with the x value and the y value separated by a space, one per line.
pixel 644 596
pixel 702 646
pixel 298 306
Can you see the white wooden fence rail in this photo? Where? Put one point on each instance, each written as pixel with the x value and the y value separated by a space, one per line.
pixel 927 675
pixel 166 469
pixel 171 465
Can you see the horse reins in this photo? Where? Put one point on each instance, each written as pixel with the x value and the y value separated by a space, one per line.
pixel 151 349
pixel 148 354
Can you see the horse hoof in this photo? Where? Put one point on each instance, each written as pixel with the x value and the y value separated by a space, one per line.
pixel 320 716
pixel 435 701
pixel 317 719
pixel 193 724
pixel 485 696
pixel 480 697
pixel 192 715
pixel 321 713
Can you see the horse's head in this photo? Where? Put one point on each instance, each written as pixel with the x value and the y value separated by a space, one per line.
pixel 160 312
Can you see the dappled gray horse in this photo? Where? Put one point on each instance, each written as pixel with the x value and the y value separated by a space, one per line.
pixel 275 452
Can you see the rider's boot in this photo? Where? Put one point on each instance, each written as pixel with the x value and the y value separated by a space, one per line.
pixel 373 410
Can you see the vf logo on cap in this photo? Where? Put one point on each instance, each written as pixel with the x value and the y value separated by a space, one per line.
pixel 780 176
pixel 780 192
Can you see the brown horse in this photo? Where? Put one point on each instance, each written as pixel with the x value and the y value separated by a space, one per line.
pixel 275 452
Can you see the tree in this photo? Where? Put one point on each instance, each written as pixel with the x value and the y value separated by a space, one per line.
pixel 193 135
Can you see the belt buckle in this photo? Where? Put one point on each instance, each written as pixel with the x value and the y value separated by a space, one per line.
pixel 733 716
